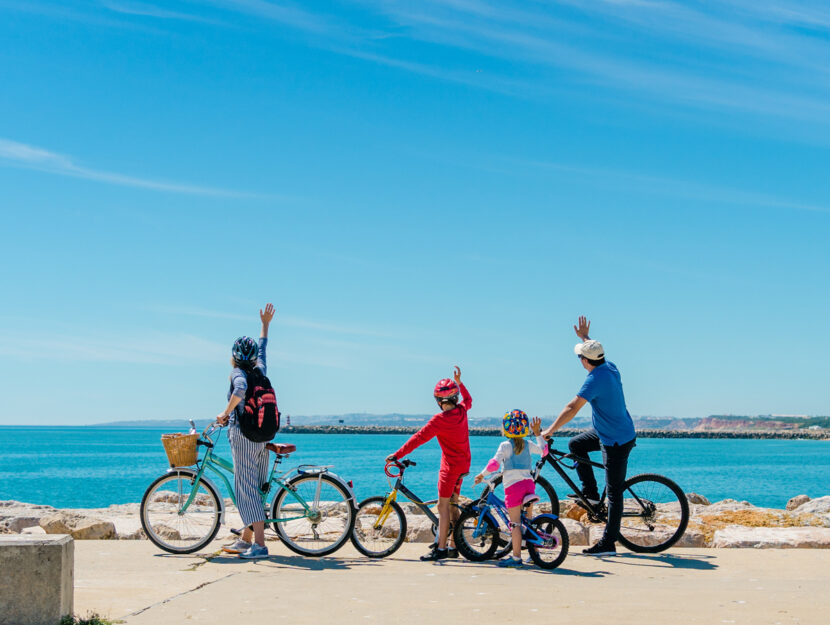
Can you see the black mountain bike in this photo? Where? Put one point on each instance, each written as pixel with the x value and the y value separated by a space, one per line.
pixel 655 509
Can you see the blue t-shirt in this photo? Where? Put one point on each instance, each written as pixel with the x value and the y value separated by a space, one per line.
pixel 603 390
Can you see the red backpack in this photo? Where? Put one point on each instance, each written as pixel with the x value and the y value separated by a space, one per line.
pixel 260 419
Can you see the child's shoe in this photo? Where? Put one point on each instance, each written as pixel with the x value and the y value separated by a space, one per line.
pixel 452 552
pixel 510 563
pixel 435 554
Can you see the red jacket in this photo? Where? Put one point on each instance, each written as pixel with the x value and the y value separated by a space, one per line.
pixel 453 434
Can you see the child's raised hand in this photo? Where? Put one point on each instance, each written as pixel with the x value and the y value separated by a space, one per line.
pixel 536 426
pixel 478 479
pixel 457 375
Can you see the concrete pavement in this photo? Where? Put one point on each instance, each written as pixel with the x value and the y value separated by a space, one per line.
pixel 134 582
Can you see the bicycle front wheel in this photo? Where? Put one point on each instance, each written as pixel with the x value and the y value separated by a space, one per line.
pixel 168 524
pixel 475 539
pixel 379 527
pixel 313 514
pixel 553 541
pixel 655 514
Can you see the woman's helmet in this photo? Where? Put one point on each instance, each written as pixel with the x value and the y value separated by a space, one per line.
pixel 446 390
pixel 515 424
pixel 244 349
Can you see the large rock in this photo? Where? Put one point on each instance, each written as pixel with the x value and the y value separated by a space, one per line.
pixel 78 526
pixel 697 499
pixel 577 533
pixel 818 506
pixel 796 501
pixel 728 505
pixel 16 516
pixel 419 529
pixel 737 536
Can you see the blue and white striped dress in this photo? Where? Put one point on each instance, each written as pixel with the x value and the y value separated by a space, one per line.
pixel 250 459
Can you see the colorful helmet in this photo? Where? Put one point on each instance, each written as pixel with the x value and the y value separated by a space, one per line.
pixel 515 424
pixel 446 389
pixel 244 349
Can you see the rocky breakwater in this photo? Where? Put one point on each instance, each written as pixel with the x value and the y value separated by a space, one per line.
pixel 804 523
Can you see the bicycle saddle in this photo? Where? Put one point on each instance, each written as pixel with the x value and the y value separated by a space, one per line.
pixel 280 450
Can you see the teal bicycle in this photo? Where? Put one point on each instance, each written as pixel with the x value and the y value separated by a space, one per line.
pixel 312 510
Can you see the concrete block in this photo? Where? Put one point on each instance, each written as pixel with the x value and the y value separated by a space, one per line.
pixel 37 579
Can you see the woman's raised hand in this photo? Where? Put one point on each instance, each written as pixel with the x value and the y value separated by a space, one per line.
pixel 267 315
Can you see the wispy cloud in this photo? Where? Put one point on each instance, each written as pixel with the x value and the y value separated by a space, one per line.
pixel 146 9
pixel 13 153
pixel 279 320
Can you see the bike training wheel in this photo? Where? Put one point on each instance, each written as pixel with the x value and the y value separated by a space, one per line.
pixel 325 526
pixel 548 504
pixel 167 526
pixel 554 549
pixel 655 513
pixel 475 548
pixel 376 538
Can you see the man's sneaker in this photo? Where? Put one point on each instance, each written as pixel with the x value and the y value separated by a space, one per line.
pixel 601 549
pixel 255 552
pixel 237 547
pixel 435 554
pixel 452 552
pixel 510 563
pixel 591 501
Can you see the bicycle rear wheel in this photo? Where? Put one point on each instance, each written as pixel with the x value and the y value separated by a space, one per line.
pixel 170 527
pixel 554 548
pixel 548 504
pixel 314 514
pixel 655 513
pixel 377 535
pixel 473 542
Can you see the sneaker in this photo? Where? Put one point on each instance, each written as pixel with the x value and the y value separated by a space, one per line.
pixel 237 547
pixel 510 563
pixel 435 554
pixel 601 549
pixel 255 552
pixel 452 552
pixel 591 501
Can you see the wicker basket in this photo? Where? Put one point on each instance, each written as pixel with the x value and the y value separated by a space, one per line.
pixel 180 448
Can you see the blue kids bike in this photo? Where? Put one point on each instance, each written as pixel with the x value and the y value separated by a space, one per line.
pixel 484 527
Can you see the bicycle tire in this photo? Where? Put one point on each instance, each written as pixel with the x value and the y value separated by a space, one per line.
pixel 368 539
pixel 303 537
pixel 550 498
pixel 646 534
pixel 166 527
pixel 553 531
pixel 475 549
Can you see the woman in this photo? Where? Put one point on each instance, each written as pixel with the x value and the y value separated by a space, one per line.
pixel 250 459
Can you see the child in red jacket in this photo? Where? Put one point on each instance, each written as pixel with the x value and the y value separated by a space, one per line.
pixel 450 426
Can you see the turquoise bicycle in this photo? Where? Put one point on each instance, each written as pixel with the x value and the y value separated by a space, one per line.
pixel 312 510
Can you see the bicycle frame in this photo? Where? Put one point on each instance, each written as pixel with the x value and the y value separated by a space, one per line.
pixel 556 459
pixel 393 495
pixel 493 507
pixel 220 466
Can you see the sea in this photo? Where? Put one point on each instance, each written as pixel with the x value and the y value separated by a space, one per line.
pixel 94 467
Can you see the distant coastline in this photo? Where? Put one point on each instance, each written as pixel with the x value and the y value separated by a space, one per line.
pixel 476 431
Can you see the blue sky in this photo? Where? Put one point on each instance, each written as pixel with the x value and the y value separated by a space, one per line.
pixel 414 185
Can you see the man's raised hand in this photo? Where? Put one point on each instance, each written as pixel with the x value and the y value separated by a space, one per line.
pixel 583 328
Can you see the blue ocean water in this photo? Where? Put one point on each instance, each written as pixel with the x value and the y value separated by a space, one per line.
pixel 90 467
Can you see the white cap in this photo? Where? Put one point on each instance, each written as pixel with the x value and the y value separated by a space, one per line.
pixel 590 349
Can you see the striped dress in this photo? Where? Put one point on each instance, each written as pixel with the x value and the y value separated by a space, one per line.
pixel 250 459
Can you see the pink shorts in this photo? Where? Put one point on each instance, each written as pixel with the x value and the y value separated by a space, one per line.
pixel 515 493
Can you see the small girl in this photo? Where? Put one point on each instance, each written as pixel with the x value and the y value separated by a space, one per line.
pixel 519 487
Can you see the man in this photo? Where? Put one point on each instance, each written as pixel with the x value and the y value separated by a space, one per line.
pixel 613 433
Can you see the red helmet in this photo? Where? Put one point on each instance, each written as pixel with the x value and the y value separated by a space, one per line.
pixel 446 389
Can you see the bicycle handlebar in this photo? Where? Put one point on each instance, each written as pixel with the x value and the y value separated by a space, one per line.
pixel 399 465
